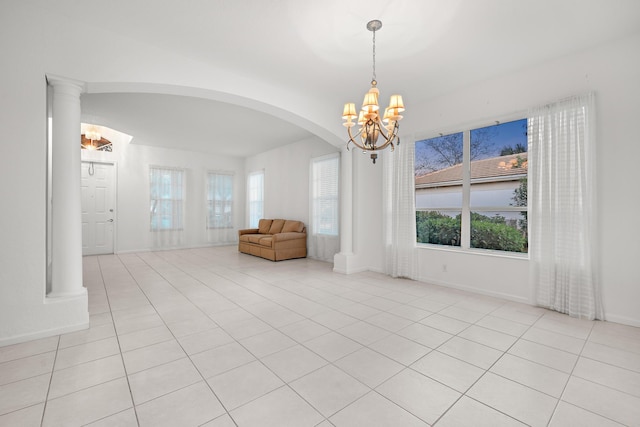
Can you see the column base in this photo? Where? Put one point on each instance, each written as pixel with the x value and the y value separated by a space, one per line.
pixel 79 293
pixel 343 262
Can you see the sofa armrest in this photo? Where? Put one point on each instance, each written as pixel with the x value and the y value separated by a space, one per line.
pixel 248 231
pixel 292 235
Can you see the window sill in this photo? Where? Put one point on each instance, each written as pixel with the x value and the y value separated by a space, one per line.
pixel 473 251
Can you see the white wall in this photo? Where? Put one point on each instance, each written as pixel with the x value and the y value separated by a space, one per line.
pixel 611 71
pixel 368 245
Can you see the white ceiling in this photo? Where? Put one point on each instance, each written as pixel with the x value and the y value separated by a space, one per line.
pixel 195 124
pixel 322 50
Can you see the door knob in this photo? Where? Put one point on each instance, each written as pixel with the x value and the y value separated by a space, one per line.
pixel 110 220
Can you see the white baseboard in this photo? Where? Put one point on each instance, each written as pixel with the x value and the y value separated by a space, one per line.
pixel 508 297
pixel 43 334
pixel 622 320
pixel 142 250
pixel 351 271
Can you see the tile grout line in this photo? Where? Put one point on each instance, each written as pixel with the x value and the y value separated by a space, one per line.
pixel 175 338
pixel 464 394
pixel 304 346
pixel 571 375
pixel 124 367
pixel 46 398
pixel 258 359
pixel 363 345
pixel 265 295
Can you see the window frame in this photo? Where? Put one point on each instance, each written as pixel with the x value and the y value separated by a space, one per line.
pixel 467 209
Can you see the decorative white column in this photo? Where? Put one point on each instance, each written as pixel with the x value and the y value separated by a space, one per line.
pixel 341 259
pixel 66 220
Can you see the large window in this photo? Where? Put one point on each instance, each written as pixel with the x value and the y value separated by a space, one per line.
pixel 166 198
pixel 471 188
pixel 219 200
pixel 256 198
pixel 324 195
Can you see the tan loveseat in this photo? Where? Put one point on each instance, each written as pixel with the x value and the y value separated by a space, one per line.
pixel 274 239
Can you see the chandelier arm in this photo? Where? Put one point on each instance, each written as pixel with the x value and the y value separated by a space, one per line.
pixel 362 147
pixel 389 137
pixel 352 138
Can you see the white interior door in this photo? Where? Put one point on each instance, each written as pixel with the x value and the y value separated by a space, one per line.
pixel 98 207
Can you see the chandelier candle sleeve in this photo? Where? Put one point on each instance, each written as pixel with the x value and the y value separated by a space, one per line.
pixel 371 125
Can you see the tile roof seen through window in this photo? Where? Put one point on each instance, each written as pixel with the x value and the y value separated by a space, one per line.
pixel 513 165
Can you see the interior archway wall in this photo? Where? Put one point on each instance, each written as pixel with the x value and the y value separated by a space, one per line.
pixel 218 96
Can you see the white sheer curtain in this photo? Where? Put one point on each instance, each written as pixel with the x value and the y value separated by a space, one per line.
pixel 255 187
pixel 399 214
pixel 323 229
pixel 562 204
pixel 167 204
pixel 220 208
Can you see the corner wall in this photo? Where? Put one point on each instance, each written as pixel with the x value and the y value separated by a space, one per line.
pixel 286 178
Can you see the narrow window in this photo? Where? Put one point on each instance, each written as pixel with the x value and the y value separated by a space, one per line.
pixel 324 195
pixel 219 200
pixel 256 198
pixel 166 198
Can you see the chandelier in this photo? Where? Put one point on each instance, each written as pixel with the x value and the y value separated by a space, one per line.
pixel 371 126
pixel 93 140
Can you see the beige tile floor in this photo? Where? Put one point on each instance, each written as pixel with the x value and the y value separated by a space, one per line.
pixel 210 337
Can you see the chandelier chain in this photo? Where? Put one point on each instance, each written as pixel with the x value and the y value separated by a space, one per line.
pixel 374 55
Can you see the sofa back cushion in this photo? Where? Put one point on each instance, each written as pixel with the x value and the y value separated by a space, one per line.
pixel 264 225
pixel 290 226
pixel 276 226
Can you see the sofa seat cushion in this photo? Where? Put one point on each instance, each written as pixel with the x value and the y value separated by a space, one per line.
pixel 254 238
pixel 295 226
pixel 266 241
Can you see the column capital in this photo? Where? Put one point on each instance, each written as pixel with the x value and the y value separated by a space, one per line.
pixel 76 86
